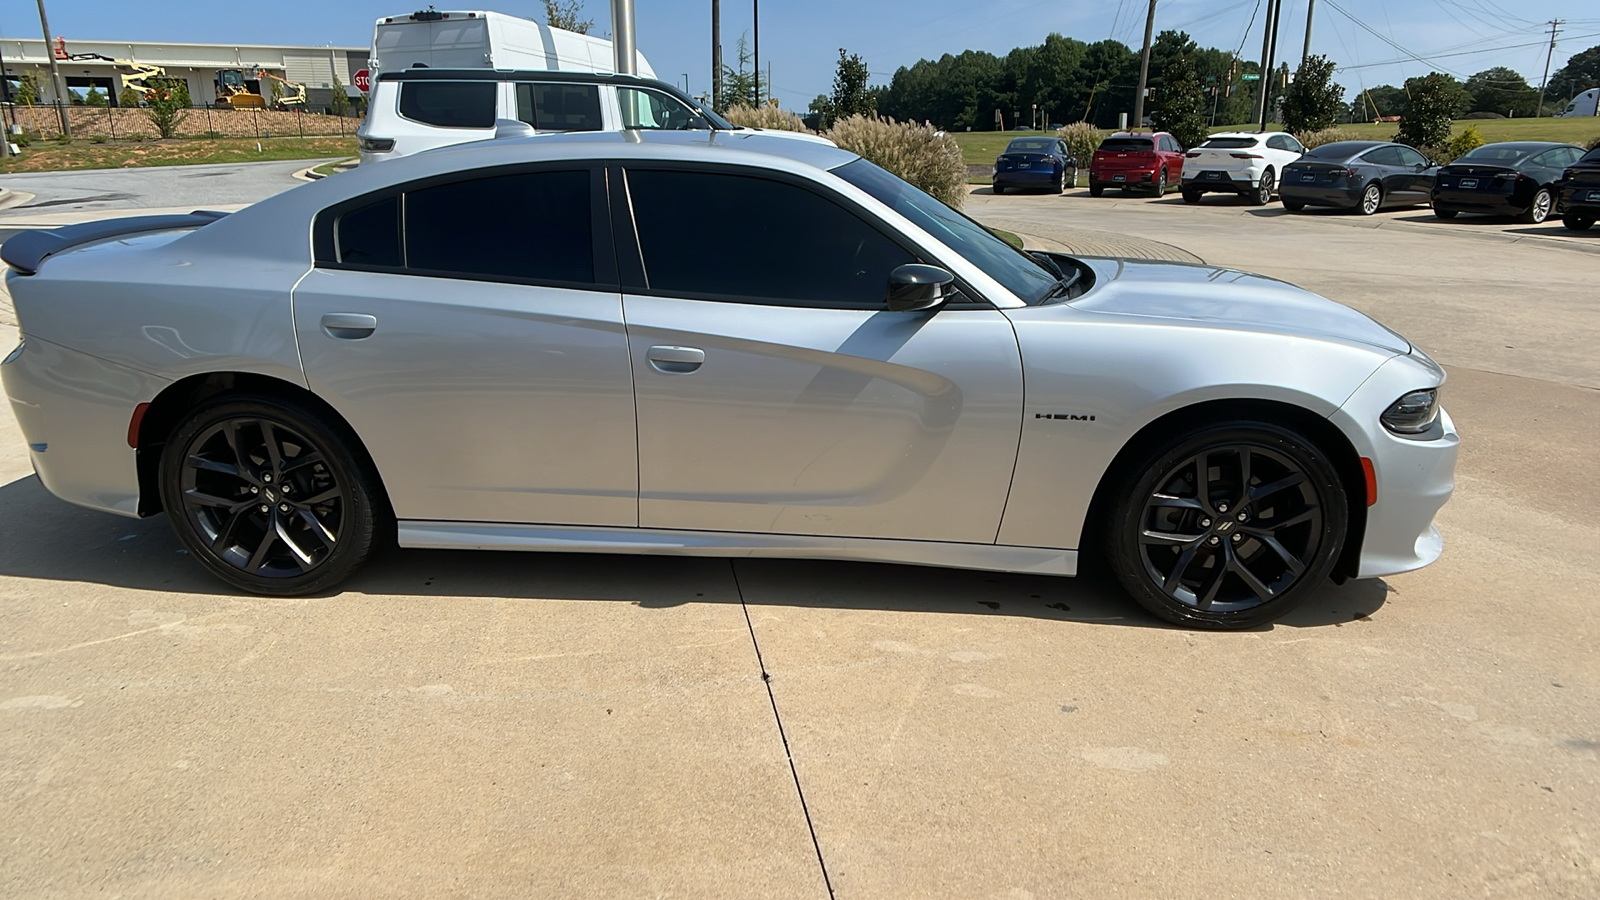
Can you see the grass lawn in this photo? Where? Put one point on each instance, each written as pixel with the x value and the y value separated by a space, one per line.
pixel 49 156
pixel 981 147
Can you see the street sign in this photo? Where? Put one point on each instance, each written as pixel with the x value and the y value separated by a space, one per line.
pixel 1250 77
pixel 363 80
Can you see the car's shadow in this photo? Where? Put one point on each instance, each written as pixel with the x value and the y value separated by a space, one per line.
pixel 50 540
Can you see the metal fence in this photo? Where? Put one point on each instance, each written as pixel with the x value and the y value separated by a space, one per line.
pixel 129 123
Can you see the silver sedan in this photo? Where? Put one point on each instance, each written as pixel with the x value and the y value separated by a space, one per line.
pixel 722 344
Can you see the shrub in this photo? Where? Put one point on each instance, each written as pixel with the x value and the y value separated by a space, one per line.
pixel 920 154
pixel 1460 145
pixel 1312 102
pixel 1326 136
pixel 167 104
pixel 1082 140
pixel 1594 144
pixel 1483 114
pixel 98 139
pixel 1435 100
pixel 764 116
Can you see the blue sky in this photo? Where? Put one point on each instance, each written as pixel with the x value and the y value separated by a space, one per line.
pixel 801 40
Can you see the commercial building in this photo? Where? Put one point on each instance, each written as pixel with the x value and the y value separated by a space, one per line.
pixel 112 65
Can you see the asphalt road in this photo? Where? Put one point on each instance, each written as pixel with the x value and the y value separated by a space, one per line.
pixel 513 725
pixel 159 186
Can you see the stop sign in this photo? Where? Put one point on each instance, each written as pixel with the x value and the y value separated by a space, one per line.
pixel 363 80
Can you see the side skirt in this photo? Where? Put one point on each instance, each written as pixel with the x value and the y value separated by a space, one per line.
pixel 581 539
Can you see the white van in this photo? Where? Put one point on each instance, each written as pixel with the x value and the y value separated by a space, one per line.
pixel 1585 104
pixel 486 40
pixel 413 110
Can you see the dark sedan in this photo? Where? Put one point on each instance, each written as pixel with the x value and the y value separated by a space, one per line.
pixel 1580 192
pixel 1037 163
pixel 1515 178
pixel 1364 176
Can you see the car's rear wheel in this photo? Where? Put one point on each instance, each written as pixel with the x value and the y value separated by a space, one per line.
pixel 999 189
pixel 1161 184
pixel 1371 200
pixel 1577 222
pixel 1229 526
pixel 1096 190
pixel 1191 196
pixel 1293 205
pixel 1544 202
pixel 1262 195
pixel 1445 213
pixel 269 496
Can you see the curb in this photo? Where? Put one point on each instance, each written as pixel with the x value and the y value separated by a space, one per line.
pixel 10 198
pixel 311 174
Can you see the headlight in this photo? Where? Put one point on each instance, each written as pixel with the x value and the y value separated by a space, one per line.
pixel 1412 413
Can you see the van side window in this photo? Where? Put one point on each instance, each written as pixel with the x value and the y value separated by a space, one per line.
pixel 531 226
pixel 449 104
pixel 560 107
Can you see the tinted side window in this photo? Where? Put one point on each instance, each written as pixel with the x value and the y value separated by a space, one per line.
pixel 712 235
pixel 449 104
pixel 1383 156
pixel 560 107
pixel 370 236
pixel 533 225
pixel 1410 157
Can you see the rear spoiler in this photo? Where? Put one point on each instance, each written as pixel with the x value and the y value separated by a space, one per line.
pixel 26 251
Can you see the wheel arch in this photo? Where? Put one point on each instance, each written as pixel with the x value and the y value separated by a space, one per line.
pixel 169 408
pixel 1163 430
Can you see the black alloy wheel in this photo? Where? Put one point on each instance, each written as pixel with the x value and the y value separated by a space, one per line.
pixel 1262 195
pixel 1445 212
pixel 1544 202
pixel 267 495
pixel 1575 222
pixel 1371 200
pixel 1230 527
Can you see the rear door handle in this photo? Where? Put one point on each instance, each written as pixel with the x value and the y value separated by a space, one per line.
pixel 349 326
pixel 670 360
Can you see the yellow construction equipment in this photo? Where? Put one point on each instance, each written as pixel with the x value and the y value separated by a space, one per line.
pixel 297 91
pixel 233 93
pixel 141 72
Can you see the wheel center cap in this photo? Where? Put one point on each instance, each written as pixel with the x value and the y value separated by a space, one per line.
pixel 271 497
pixel 1225 526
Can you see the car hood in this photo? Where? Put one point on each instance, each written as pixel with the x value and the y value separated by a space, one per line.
pixel 1207 295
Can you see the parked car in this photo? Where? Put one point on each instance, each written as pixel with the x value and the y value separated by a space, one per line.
pixel 1128 161
pixel 1514 178
pixel 1243 163
pixel 549 344
pixel 413 110
pixel 1363 176
pixel 1580 192
pixel 1040 163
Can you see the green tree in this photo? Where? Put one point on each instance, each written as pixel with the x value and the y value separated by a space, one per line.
pixel 1581 73
pixel 743 86
pixel 851 96
pixel 1435 101
pixel 1374 102
pixel 1501 90
pixel 128 97
pixel 167 104
pixel 564 15
pixel 27 91
pixel 1312 102
pixel 1181 108
pixel 341 100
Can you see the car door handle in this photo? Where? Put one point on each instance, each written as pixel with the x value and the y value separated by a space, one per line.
pixel 675 360
pixel 349 326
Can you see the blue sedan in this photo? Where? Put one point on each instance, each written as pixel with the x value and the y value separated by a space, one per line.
pixel 1037 163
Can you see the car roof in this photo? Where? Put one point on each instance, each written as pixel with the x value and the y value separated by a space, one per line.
pixel 1351 147
pixel 1526 147
pixel 1244 134
pixel 1134 134
pixel 432 74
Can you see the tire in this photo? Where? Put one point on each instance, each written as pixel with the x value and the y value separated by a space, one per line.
pixel 999 189
pixel 1237 570
pixel 1191 196
pixel 1371 200
pixel 1262 195
pixel 1445 213
pixel 1544 202
pixel 1294 205
pixel 225 478
pixel 1161 184
pixel 1576 222
pixel 1096 190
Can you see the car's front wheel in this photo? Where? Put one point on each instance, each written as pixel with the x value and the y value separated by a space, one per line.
pixel 268 495
pixel 1229 526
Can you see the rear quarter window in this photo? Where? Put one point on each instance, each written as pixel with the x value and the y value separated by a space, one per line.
pixel 449 104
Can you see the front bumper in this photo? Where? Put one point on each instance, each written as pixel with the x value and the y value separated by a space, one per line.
pixel 74 410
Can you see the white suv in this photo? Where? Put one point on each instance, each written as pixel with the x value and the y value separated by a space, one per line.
pixel 1239 162
pixel 421 108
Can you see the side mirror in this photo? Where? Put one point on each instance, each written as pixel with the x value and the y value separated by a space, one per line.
pixel 915 287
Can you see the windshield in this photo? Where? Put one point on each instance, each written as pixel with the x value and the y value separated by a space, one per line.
pixel 1126 144
pixel 1030 145
pixel 1236 143
pixel 1020 273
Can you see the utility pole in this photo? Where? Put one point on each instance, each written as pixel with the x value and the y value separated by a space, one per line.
pixel 622 42
pixel 1262 82
pixel 716 54
pixel 1269 75
pixel 1554 24
pixel 55 75
pixel 1311 7
pixel 755 15
pixel 1144 69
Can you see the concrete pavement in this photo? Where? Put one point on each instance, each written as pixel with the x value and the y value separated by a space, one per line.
pixel 514 725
